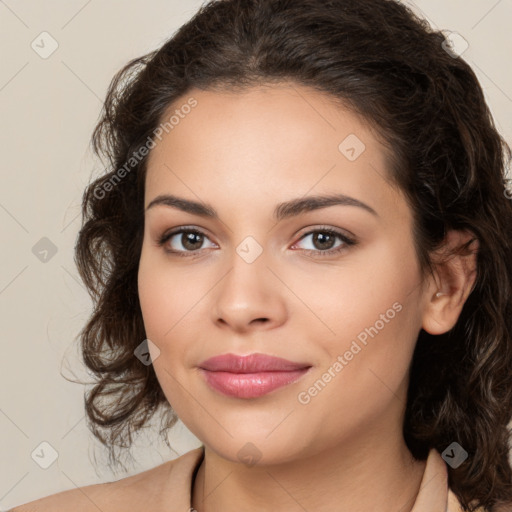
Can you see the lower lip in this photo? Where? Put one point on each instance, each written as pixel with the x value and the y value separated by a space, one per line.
pixel 250 385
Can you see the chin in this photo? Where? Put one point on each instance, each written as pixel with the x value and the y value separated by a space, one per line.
pixel 256 449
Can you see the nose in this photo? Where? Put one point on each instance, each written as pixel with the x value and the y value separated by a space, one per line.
pixel 249 297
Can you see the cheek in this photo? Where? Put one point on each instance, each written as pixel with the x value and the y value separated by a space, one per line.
pixel 155 300
pixel 165 295
pixel 364 377
pixel 371 310
pixel 164 308
pixel 172 300
pixel 364 296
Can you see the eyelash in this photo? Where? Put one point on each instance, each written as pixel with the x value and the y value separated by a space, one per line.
pixel 347 241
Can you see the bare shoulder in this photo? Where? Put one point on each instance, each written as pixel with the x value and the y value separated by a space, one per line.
pixel 135 492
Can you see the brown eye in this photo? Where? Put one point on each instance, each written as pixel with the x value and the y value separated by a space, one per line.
pixel 323 242
pixel 191 241
pixel 183 241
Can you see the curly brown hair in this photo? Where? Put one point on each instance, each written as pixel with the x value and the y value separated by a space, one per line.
pixel 392 68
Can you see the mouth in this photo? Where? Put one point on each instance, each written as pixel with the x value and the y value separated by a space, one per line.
pixel 250 376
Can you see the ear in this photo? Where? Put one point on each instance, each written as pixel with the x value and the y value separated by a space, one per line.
pixel 455 275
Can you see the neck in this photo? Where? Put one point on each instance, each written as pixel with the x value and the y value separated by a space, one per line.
pixel 355 476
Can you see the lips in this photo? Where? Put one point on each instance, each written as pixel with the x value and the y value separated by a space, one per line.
pixel 252 363
pixel 250 376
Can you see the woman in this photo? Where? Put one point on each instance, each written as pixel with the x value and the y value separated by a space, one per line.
pixel 301 249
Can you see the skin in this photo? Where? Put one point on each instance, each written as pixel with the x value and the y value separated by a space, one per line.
pixel 242 154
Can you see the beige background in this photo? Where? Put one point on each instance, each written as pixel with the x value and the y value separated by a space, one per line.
pixel 48 109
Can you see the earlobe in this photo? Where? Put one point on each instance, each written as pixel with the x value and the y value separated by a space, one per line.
pixel 456 270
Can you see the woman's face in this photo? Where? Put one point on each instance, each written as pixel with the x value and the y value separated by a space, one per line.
pixel 266 277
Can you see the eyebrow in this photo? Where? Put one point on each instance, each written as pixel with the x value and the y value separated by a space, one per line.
pixel 282 211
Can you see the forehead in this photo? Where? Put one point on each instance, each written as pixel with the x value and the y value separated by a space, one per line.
pixel 269 119
pixel 269 142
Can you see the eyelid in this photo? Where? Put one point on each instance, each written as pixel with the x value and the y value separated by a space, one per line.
pixel 314 228
pixel 347 240
pixel 168 234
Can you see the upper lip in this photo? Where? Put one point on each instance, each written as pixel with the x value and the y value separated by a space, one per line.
pixel 252 363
